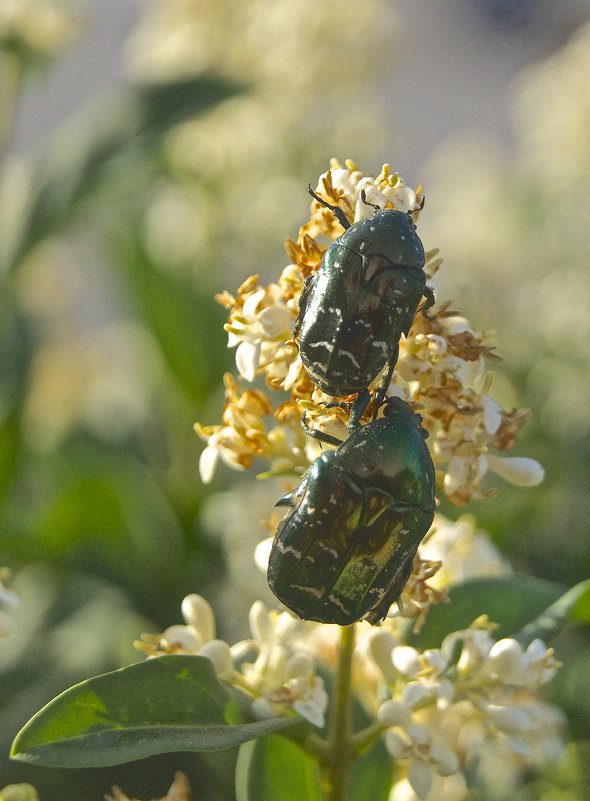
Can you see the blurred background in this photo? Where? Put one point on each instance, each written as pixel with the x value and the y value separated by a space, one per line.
pixel 154 153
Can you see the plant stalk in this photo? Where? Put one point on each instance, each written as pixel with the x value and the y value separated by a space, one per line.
pixel 339 754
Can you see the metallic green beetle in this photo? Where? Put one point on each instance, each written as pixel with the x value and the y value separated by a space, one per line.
pixel 354 309
pixel 345 549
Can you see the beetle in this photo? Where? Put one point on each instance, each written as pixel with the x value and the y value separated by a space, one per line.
pixel 354 309
pixel 344 551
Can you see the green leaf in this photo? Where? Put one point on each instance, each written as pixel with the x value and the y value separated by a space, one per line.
pixel 168 704
pixel 272 768
pixel 180 318
pixel 511 601
pixel 371 775
pixel 573 605
pixel 76 157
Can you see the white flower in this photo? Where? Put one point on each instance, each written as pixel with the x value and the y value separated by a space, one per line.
pixel 427 756
pixel 282 678
pixel 259 329
pixel 196 637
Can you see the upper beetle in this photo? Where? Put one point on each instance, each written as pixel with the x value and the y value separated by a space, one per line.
pixel 345 549
pixel 354 309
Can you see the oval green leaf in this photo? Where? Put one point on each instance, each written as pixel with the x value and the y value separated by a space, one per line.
pixel 372 775
pixel 273 767
pixel 168 704
pixel 511 601
pixel 572 606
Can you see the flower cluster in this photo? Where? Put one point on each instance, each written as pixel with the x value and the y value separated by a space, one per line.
pixel 442 712
pixel 440 369
pixel 271 667
pixel 473 696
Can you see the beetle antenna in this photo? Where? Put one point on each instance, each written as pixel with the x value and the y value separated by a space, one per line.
pixel 366 202
pixel 420 205
pixel 340 215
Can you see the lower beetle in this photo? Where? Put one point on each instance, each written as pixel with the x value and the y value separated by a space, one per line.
pixel 345 549
pixel 354 309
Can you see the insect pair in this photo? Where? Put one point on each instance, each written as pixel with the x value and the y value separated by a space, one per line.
pixel 345 549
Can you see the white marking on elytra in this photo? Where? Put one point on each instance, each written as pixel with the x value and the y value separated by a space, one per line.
pixel 337 602
pixel 328 549
pixel 327 345
pixel 311 590
pixel 350 356
pixel 288 549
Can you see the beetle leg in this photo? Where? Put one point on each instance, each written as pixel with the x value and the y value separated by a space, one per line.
pixel 430 301
pixel 321 436
pixel 358 408
pixel 340 215
pixel 386 381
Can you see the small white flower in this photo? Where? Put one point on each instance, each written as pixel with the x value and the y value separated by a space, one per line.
pixel 281 677
pixel 427 756
pixel 197 637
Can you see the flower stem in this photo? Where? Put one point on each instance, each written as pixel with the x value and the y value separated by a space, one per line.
pixel 339 753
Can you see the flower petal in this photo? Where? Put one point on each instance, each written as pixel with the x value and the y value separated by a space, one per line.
pixel 518 470
pixel 420 777
pixel 247 359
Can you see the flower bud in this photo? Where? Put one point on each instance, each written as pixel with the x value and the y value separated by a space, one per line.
pixel 218 652
pixel 518 470
pixel 198 614
pixel 406 660
pixel 506 660
pixel 392 713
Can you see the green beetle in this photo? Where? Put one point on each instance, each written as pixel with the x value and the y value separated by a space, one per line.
pixel 345 549
pixel 354 309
